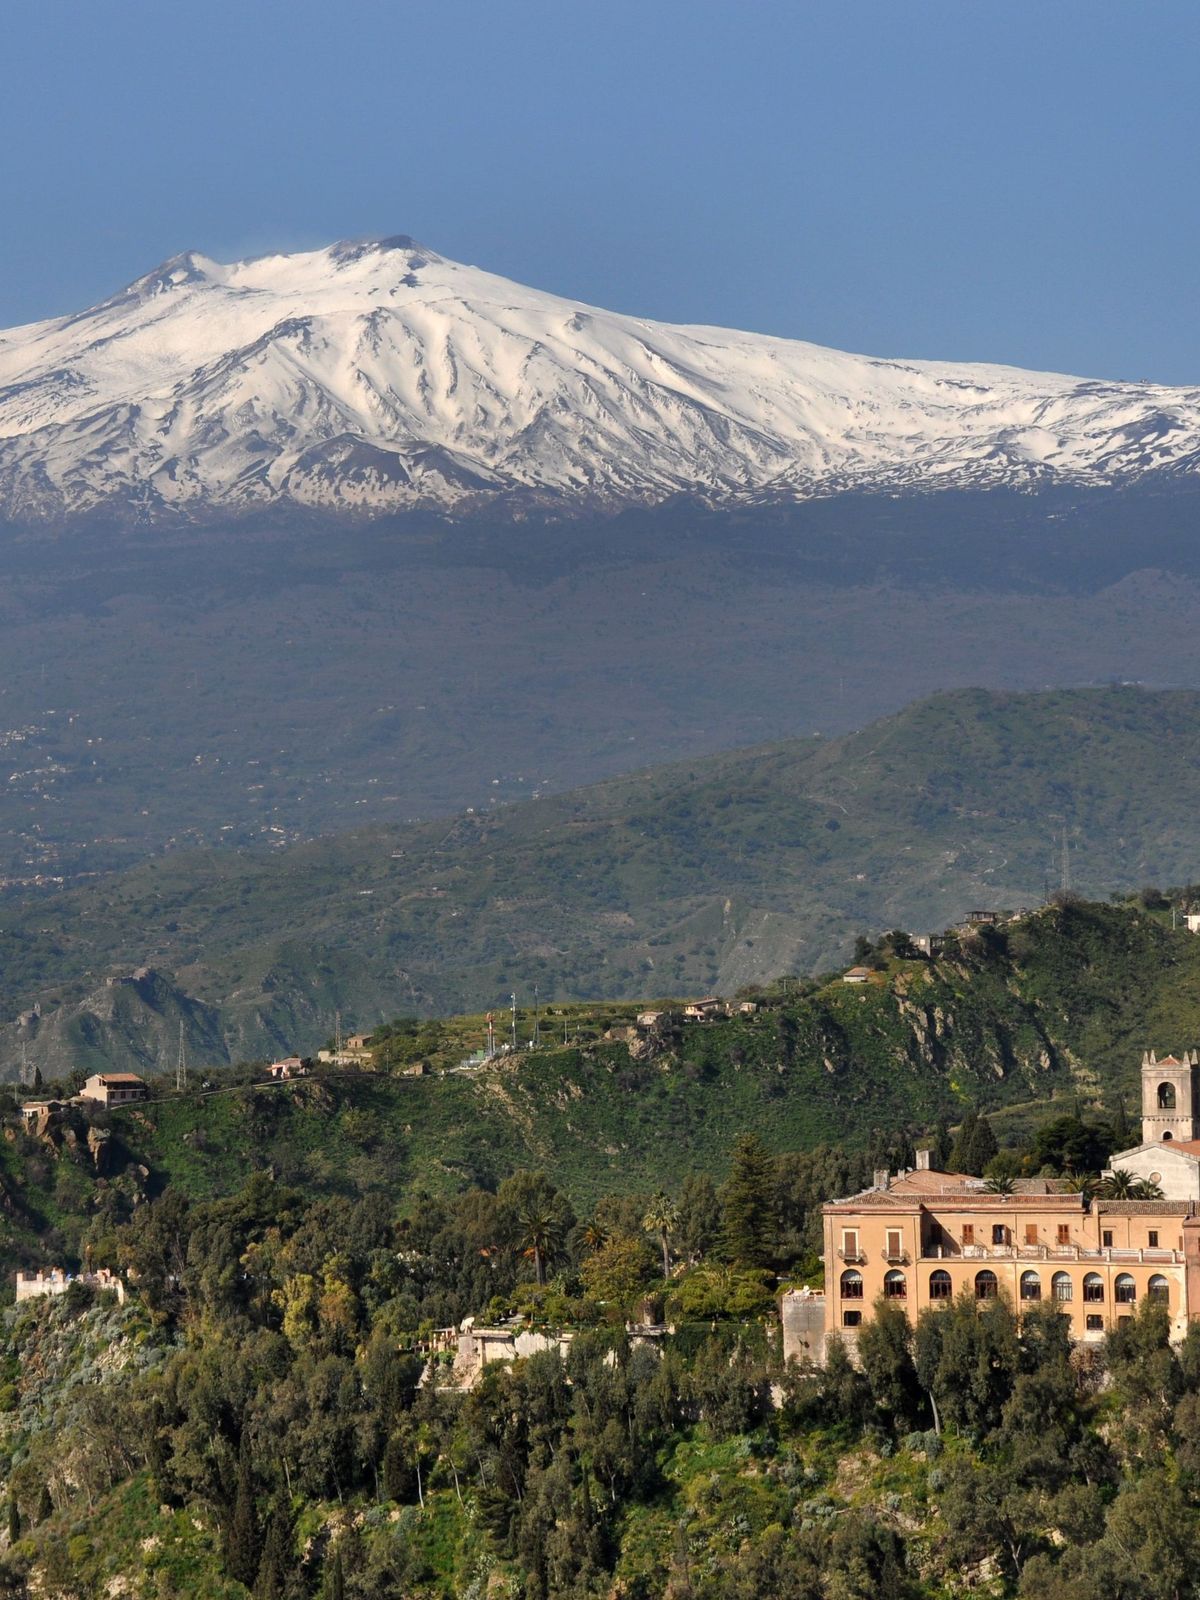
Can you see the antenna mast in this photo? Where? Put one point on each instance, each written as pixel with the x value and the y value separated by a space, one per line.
pixel 181 1064
pixel 1066 862
pixel 513 1000
pixel 537 1024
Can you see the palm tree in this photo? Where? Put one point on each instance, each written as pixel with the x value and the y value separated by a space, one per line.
pixel 594 1236
pixel 1002 1183
pixel 662 1218
pixel 1119 1185
pixel 1080 1183
pixel 1143 1189
pixel 541 1228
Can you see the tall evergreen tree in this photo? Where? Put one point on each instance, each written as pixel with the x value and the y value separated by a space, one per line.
pixel 943 1145
pixel 960 1154
pixel 983 1148
pixel 14 1521
pixel 748 1225
pixel 243 1541
pixel 271 1582
pixel 335 1577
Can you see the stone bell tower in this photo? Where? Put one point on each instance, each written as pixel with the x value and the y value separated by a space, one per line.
pixel 1170 1097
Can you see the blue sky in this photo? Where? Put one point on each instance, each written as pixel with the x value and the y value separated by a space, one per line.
pixel 968 179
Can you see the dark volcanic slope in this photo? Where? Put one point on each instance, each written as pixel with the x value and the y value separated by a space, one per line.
pixel 274 683
pixel 708 873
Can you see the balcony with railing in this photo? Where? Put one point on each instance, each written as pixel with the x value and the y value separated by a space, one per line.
pixel 1047 1252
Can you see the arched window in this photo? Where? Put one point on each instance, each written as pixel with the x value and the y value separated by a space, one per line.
pixel 1061 1286
pixel 986 1286
pixel 852 1286
pixel 940 1286
pixel 894 1285
pixel 1124 1289
pixel 1031 1286
pixel 1093 1286
pixel 1166 1097
pixel 1159 1289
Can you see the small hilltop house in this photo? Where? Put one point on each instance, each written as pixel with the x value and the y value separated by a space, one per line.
pixel 110 1089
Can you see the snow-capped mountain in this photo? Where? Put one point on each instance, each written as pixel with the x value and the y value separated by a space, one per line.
pixel 379 376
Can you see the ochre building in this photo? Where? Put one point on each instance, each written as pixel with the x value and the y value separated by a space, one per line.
pixel 920 1238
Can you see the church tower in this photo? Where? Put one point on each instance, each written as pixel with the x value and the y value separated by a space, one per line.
pixel 1170 1097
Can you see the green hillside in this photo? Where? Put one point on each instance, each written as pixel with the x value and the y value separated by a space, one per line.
pixel 250 1420
pixel 1056 1007
pixel 709 874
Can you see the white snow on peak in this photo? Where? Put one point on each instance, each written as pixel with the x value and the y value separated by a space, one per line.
pixel 376 376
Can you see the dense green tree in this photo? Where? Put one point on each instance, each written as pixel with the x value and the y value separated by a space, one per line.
pixel 243 1539
pixel 748 1224
pixel 699 1216
pixel 885 1354
pixel 539 1217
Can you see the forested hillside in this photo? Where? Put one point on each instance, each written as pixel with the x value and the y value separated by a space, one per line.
pixel 711 874
pixel 272 1412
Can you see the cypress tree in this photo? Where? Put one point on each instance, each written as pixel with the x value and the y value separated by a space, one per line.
pixel 983 1148
pixel 335 1578
pixel 14 1521
pixel 748 1204
pixel 961 1154
pixel 271 1582
pixel 243 1542
pixel 45 1506
pixel 942 1147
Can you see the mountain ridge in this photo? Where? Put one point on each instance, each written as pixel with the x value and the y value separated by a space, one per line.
pixel 377 376
pixel 707 874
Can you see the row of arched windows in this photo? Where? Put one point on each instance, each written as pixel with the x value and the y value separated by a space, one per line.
pixel 1062 1287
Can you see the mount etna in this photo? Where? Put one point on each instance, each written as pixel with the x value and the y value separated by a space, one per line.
pixel 363 536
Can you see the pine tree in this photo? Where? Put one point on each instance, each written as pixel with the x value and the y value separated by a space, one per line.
pixel 748 1204
pixel 243 1542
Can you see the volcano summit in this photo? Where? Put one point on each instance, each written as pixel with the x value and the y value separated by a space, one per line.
pixel 379 377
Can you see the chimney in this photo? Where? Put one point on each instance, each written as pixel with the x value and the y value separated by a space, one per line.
pixel 881 1178
pixel 923 1160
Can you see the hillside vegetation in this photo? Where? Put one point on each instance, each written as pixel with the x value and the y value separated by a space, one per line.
pixel 1055 1007
pixel 282 1407
pixel 709 874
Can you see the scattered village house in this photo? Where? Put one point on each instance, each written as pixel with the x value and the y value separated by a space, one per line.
pixel 920 1238
pixel 289 1067
pixel 856 975
pixel 31 1110
pixel 114 1088
pixel 704 1010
